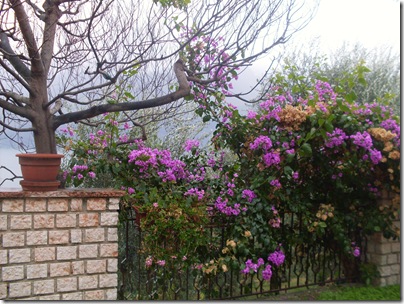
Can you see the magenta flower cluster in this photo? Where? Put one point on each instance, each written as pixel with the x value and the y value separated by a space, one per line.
pixel 195 192
pixel 248 194
pixel 267 273
pixel 325 91
pixel 272 107
pixel 217 62
pixel 356 252
pixel 261 141
pixel 147 159
pixel 394 127
pixel 364 140
pixel 68 131
pixel 78 170
pixel 275 183
pixel 223 207
pixel 336 138
pixel 250 266
pixel 190 144
pixel 277 258
pixel 271 158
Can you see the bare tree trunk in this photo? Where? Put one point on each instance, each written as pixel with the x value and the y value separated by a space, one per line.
pixel 71 79
pixel 44 132
pixel 44 135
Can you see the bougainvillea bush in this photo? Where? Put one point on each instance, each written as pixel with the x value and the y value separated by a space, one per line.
pixel 305 150
pixel 160 189
pixel 312 152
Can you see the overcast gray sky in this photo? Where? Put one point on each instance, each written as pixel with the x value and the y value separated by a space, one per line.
pixel 371 22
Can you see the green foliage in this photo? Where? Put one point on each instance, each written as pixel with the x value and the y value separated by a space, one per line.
pixel 308 150
pixel 332 181
pixel 93 149
pixel 173 228
pixel 386 293
pixel 361 75
pixel 174 3
pixel 368 272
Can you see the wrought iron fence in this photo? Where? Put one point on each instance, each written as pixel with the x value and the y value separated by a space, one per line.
pixel 305 266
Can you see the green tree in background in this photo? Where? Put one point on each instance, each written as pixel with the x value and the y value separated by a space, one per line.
pixel 361 74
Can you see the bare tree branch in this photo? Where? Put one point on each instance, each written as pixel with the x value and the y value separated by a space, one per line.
pixel 16 129
pixel 183 91
pixel 62 63
pixel 14 176
pixel 14 59
pixel 27 34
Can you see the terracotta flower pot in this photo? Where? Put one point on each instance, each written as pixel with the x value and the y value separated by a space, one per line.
pixel 39 171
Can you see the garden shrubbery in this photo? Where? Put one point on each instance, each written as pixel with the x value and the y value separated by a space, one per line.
pixel 305 150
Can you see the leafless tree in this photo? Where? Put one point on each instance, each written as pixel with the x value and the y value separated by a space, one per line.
pixel 62 59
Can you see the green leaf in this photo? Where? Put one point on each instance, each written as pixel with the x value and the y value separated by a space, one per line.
pixel 116 169
pixel 189 97
pixel 324 133
pixel 321 121
pixel 328 126
pixel 305 150
pixel 362 81
pixel 199 111
pixel 345 108
pixel 206 118
pixel 322 224
pixel 310 134
pixel 288 170
pixel 290 157
pixel 129 95
pixel 351 97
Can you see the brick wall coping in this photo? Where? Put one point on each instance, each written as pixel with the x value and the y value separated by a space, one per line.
pixel 77 193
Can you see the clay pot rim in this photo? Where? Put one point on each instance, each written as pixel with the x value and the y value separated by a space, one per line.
pixel 40 155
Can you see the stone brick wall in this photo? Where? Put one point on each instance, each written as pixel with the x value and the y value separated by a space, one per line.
pixel 385 253
pixel 59 245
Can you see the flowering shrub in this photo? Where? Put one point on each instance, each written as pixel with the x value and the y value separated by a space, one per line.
pixel 307 151
pixel 162 188
pixel 319 155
